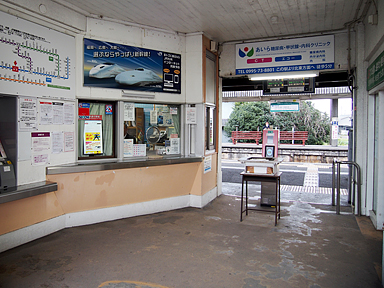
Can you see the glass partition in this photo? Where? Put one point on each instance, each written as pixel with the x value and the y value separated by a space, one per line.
pixel 151 129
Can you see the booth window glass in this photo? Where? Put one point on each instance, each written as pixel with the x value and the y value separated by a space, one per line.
pixel 210 128
pixel 96 131
pixel 151 129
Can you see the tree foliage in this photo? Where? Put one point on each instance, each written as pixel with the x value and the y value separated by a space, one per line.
pixel 251 116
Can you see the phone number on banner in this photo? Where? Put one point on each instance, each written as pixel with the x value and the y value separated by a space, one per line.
pixel 285 68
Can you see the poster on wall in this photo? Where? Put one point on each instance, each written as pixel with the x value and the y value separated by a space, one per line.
pixel 93 141
pixel 57 142
pixel 41 148
pixel 191 115
pixel 27 114
pixel 46 113
pixel 69 113
pixel 69 141
pixel 291 55
pixel 208 164
pixel 111 65
pixel 35 60
pixel 129 111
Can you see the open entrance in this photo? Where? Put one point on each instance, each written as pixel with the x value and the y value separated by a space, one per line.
pixel 315 129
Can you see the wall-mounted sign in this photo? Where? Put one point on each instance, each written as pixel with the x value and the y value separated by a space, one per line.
pixel 35 60
pixel 375 72
pixel 285 107
pixel 292 55
pixel 111 65
pixel 335 128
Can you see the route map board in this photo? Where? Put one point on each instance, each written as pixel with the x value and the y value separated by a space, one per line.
pixel 35 60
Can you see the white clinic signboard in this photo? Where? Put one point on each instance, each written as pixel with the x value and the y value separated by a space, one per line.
pixel 291 55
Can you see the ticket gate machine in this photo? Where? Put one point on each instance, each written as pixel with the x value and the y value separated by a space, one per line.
pixel 270 143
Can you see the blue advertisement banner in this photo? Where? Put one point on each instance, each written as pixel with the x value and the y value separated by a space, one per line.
pixel 111 65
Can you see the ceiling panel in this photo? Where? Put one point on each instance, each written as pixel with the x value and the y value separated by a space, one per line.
pixel 230 20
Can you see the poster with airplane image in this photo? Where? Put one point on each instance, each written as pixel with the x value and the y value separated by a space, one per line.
pixel 111 65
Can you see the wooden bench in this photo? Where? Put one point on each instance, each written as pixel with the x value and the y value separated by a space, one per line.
pixel 246 135
pixel 294 135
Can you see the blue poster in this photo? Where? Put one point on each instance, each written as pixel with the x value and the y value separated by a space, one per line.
pixel 111 65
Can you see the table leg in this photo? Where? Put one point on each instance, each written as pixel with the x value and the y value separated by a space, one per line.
pixel 246 197
pixel 241 200
pixel 279 198
pixel 276 190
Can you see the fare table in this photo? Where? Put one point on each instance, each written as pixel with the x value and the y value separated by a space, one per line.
pixel 265 171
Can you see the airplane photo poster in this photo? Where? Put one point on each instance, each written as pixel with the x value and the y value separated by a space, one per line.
pixel 111 65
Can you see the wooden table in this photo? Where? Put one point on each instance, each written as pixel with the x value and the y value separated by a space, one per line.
pixel 272 178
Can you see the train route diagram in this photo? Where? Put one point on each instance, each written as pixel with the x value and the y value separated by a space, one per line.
pixel 35 60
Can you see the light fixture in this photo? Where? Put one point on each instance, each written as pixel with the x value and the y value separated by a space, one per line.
pixel 286 75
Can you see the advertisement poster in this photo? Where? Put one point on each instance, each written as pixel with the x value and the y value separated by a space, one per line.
pixel 291 55
pixel 335 128
pixel 111 65
pixel 27 114
pixel 41 148
pixel 93 141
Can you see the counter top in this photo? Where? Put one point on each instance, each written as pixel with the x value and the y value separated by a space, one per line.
pixel 113 165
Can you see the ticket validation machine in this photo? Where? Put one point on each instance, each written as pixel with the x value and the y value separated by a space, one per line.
pixel 270 146
pixel 270 143
pixel 7 173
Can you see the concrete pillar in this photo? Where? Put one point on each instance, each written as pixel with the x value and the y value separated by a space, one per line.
pixel 334 122
pixel 360 121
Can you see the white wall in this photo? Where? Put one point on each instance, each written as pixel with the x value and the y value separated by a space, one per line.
pixel 76 25
pixel 194 63
pixel 372 46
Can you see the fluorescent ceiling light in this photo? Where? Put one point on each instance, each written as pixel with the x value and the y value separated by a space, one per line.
pixel 287 75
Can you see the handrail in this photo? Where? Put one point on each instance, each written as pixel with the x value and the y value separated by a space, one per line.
pixel 357 182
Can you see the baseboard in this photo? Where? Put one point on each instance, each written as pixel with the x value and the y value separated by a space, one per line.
pixel 201 201
pixel 27 234
pixel 125 211
pixel 24 235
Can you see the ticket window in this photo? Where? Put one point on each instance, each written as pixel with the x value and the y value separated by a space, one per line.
pixel 96 129
pixel 151 129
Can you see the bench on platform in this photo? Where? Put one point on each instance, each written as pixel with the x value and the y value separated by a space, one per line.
pixel 294 136
pixel 246 135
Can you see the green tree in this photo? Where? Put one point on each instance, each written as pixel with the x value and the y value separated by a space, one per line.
pixel 251 116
